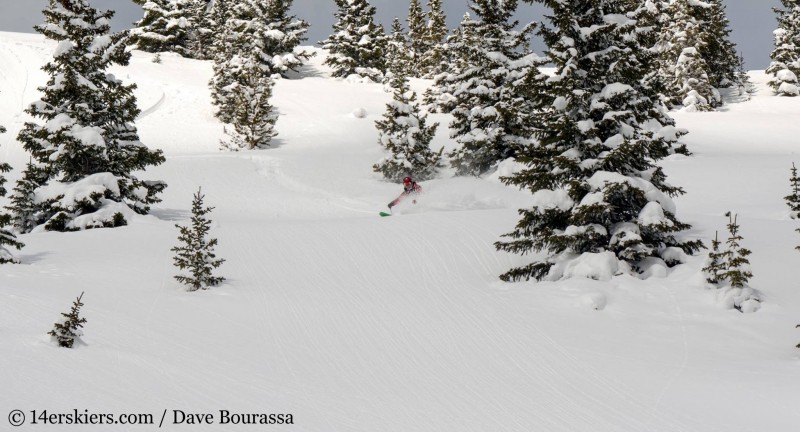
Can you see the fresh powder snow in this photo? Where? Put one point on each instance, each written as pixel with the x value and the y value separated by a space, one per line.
pixel 352 322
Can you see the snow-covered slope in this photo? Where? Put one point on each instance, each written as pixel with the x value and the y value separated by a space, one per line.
pixel 351 322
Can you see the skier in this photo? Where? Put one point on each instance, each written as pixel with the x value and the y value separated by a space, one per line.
pixel 410 187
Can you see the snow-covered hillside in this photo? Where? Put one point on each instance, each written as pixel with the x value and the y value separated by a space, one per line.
pixel 352 322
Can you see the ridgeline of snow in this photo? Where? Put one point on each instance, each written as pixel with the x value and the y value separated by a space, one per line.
pixel 351 322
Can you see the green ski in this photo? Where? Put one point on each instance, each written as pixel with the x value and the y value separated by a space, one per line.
pixel 384 214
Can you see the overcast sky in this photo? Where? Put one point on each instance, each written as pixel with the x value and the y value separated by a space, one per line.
pixel 752 20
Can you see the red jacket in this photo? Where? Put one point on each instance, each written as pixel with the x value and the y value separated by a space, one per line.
pixel 414 189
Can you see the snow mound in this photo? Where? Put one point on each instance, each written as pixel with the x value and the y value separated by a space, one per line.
pixel 360 113
pixel 596 301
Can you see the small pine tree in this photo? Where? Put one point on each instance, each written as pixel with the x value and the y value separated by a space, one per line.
pixel 167 26
pixel 357 44
pixel 793 200
pixel 713 266
pixel 197 253
pixel 69 329
pixel 785 66
pixel 23 211
pixel 157 58
pixel 7 238
pixel 404 133
pixel 735 265
pixel 742 77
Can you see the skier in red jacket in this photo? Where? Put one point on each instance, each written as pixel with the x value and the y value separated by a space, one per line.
pixel 410 187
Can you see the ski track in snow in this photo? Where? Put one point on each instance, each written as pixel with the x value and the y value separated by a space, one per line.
pixel 356 323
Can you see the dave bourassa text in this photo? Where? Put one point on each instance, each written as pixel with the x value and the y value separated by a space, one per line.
pixel 227 417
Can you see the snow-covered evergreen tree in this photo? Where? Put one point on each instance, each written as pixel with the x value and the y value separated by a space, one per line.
pixel 399 56
pixel 433 61
pixel 417 32
pixel 689 83
pixel 793 200
pixel 7 238
pixel 253 117
pixel 405 134
pixel 492 119
pixel 357 45
pixel 727 269
pixel 735 265
pixel 167 26
pixel 439 97
pixel 67 330
pixel 601 204
pixel 742 78
pixel 23 209
pixel 717 50
pixel 785 66
pixel 88 141
pixel 197 253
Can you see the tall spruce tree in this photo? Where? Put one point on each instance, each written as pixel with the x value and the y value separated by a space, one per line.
pixel 7 238
pixel 167 26
pixel 405 134
pixel 197 253
pixel 357 44
pixel 417 32
pixel 88 139
pixel 785 66
pixel 492 119
pixel 399 56
pixel 433 61
pixel 439 97
pixel 717 50
pixel 596 186
pixel 688 82
pixel 67 330
pixel 793 200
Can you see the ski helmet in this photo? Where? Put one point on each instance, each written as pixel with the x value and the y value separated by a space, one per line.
pixel 406 179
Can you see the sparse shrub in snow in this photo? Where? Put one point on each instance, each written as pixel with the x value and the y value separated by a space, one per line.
pixel 157 58
pixel 88 146
pixel 167 26
pixel 793 200
pixel 357 41
pixel 728 269
pixel 68 329
pixel 602 206
pixel 7 238
pixel 403 132
pixel 785 66
pixel 197 253
pixel 492 118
